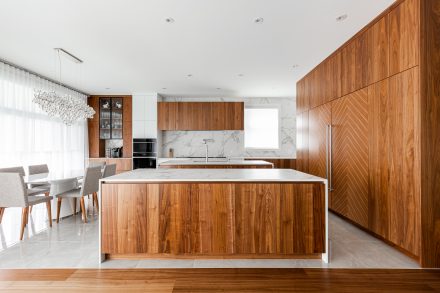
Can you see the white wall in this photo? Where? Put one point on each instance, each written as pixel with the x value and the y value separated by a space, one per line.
pixel 231 143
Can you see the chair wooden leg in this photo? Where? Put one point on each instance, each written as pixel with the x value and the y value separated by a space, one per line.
pixel 2 211
pixel 49 213
pixel 58 209
pixel 95 199
pixel 74 206
pixel 24 214
pixel 83 209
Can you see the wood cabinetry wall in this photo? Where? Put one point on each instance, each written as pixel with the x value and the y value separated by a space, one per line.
pixel 200 115
pixel 382 103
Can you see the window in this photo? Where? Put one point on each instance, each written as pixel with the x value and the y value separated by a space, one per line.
pixel 261 128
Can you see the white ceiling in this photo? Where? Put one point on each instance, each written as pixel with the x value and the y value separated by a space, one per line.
pixel 128 47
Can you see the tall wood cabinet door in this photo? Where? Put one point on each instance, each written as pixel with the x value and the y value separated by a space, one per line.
pixel 350 156
pixel 404 36
pixel 404 160
pixel 379 150
pixel 302 142
pixel 351 69
pixel 319 119
pixel 167 115
pixel 93 127
pixel 376 58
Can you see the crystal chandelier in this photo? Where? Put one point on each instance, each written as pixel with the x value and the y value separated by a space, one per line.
pixel 67 107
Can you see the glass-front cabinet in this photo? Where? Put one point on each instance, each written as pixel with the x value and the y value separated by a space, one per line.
pixel 110 118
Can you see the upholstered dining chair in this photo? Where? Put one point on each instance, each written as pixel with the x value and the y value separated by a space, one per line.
pixel 30 191
pixel 96 164
pixel 109 170
pixel 90 186
pixel 38 169
pixel 13 193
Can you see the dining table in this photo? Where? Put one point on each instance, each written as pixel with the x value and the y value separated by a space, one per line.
pixel 59 183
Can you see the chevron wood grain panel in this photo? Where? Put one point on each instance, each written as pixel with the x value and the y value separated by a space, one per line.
pixel 404 184
pixel 319 118
pixel 350 156
pixel 302 142
pixel 379 150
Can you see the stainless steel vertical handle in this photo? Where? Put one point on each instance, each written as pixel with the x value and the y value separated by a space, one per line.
pixel 327 170
pixel 330 155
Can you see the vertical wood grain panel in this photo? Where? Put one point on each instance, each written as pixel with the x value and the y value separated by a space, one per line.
pixel 302 142
pixel 377 57
pixel 430 133
pixel 351 74
pixel 93 128
pixel 404 36
pixel 404 191
pixel 175 218
pixel 319 118
pixel 379 151
pixel 127 151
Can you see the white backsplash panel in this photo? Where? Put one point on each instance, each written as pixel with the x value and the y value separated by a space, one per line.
pixel 231 143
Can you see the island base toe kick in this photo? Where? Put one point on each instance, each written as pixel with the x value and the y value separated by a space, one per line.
pixel 213 220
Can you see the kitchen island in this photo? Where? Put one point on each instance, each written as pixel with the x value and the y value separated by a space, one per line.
pixel 213 213
pixel 214 164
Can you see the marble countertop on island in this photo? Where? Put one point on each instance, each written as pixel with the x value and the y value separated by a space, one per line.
pixel 195 162
pixel 212 175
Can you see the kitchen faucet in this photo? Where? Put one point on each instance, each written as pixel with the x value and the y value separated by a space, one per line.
pixel 205 142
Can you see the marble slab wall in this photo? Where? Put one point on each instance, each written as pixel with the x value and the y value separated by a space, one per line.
pixel 231 143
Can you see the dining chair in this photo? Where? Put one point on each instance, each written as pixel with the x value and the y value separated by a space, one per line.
pixel 90 186
pixel 30 191
pixel 13 193
pixel 96 164
pixel 109 170
pixel 38 169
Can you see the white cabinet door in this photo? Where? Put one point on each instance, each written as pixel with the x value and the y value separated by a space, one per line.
pixel 151 129
pixel 150 108
pixel 138 129
pixel 138 106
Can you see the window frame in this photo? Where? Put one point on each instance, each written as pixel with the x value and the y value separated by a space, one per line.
pixel 264 106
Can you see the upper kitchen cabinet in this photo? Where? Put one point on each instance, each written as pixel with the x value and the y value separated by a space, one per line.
pixel 200 115
pixel 145 115
pixel 404 36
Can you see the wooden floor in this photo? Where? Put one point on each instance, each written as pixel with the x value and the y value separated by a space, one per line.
pixel 220 280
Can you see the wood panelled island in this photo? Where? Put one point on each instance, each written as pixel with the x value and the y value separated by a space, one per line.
pixel 213 213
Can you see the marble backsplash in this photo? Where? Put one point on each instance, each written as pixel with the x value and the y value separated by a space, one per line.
pixel 231 143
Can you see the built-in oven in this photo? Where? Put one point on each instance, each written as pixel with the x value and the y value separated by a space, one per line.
pixel 144 153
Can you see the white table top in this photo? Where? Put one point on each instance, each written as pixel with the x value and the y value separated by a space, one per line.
pixel 213 175
pixel 53 177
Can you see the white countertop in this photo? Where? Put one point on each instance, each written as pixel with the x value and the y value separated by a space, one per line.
pixel 213 175
pixel 172 162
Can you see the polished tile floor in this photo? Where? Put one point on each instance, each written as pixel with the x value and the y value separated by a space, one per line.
pixel 73 244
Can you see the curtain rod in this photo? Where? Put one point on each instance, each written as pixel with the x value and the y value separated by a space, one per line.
pixel 42 76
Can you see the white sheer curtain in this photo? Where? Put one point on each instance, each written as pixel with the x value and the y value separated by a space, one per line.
pixel 28 135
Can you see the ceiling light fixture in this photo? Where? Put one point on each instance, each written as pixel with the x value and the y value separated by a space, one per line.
pixel 169 20
pixel 219 88
pixel 164 88
pixel 189 75
pixel 295 66
pixel 240 75
pixel 259 20
pixel 341 18
pixel 68 108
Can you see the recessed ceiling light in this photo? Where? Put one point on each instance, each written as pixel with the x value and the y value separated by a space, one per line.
pixel 169 20
pixel 164 88
pixel 189 75
pixel 240 75
pixel 107 88
pixel 342 17
pixel 259 20
pixel 219 88
pixel 295 66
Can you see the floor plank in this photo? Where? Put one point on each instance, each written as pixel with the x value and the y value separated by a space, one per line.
pixel 220 280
